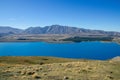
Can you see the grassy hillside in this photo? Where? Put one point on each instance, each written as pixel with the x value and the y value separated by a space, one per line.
pixel 49 68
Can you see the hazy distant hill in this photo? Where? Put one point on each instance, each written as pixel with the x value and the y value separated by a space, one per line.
pixel 33 30
pixel 56 29
pixel 7 29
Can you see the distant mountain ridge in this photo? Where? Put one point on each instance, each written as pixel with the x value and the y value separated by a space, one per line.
pixel 7 29
pixel 56 29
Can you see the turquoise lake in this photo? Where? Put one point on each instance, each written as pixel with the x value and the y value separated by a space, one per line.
pixel 86 50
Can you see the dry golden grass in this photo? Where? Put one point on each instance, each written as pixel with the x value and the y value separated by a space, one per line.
pixel 58 70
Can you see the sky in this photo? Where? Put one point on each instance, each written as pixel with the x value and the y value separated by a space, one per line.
pixel 89 14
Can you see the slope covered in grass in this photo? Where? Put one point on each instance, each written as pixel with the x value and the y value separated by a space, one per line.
pixel 17 68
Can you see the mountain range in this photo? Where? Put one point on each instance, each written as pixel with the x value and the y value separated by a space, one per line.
pixel 56 29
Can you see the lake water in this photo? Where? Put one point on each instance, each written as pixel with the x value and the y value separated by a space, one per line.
pixel 87 50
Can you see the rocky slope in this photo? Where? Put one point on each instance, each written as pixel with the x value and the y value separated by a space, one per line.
pixel 58 29
pixel 116 39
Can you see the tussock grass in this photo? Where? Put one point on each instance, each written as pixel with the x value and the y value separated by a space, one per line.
pixel 28 68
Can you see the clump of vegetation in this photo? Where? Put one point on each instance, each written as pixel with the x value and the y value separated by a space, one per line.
pixel 80 39
pixel 22 39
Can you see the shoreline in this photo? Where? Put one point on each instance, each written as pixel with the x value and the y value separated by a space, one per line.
pixel 51 41
pixel 12 56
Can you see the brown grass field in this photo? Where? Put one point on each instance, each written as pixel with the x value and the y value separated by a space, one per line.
pixel 51 68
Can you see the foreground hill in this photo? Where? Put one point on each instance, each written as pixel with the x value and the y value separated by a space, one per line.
pixel 49 68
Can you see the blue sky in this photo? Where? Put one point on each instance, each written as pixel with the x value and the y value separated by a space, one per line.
pixel 91 14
